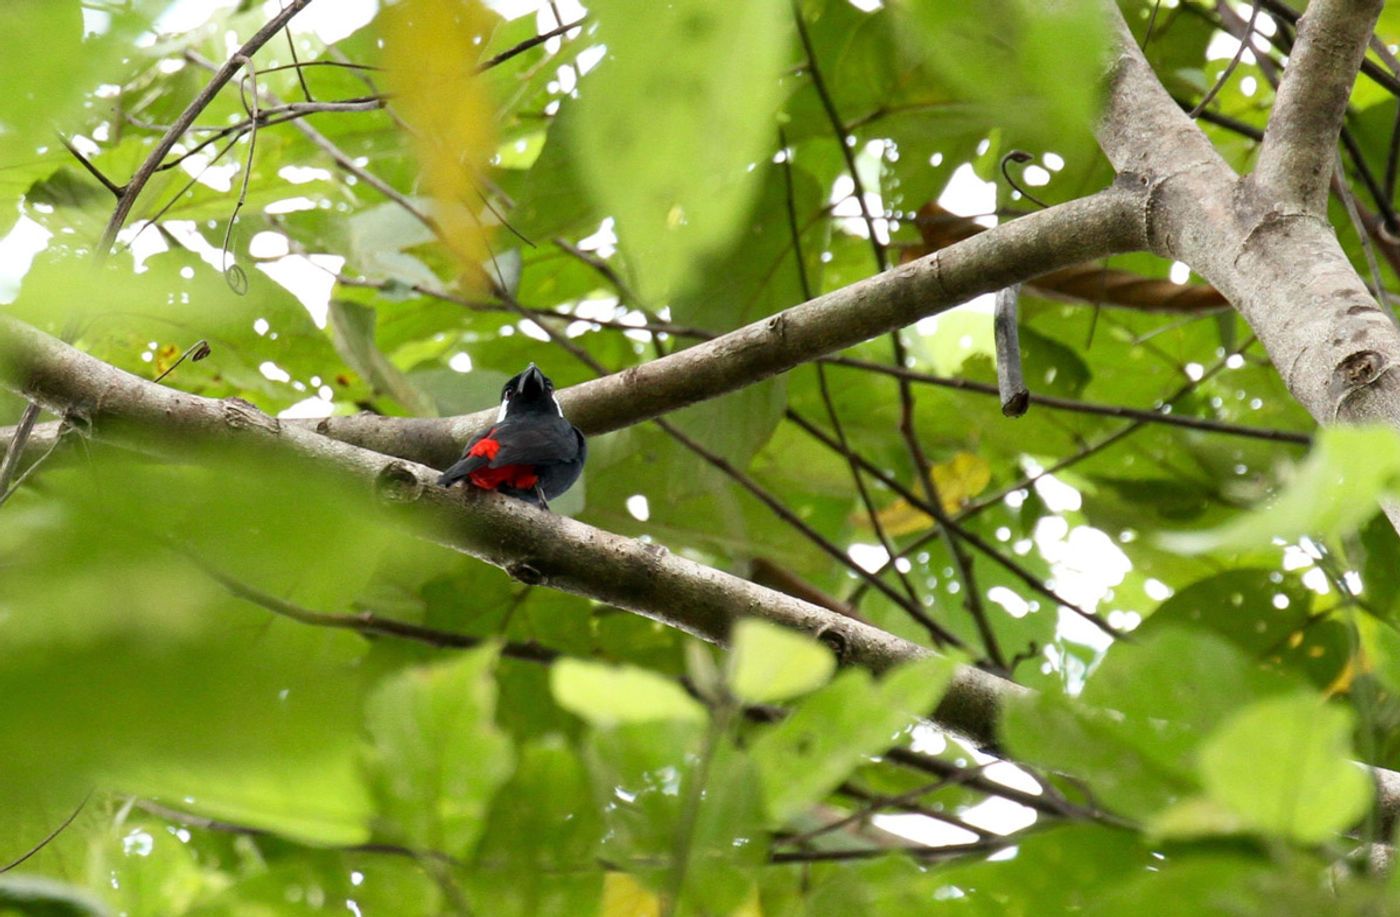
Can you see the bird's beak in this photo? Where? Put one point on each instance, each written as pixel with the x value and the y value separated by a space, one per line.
pixel 530 378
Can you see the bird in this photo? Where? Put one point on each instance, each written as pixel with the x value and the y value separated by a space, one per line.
pixel 531 452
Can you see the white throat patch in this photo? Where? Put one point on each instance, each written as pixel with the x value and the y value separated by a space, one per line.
pixel 505 404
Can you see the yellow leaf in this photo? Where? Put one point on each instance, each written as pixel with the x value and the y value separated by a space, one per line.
pixel 432 49
pixel 624 896
pixel 958 480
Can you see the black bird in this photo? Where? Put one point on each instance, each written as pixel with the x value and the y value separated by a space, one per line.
pixel 531 452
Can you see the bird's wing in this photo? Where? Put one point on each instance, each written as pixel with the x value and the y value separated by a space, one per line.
pixel 466 464
pixel 536 443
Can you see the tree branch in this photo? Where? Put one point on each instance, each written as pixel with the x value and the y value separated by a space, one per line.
pixel 535 547
pixel 1297 157
pixel 132 189
pixel 1081 230
pixel 1333 346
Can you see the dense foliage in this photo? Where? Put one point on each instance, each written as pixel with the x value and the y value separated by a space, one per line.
pixel 275 701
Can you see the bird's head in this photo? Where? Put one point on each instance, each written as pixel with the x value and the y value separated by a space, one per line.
pixel 528 392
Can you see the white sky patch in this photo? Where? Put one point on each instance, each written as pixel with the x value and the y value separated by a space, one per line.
pixel 290 205
pixel 96 22
pixel 846 207
pixel 1015 606
pixel 17 250
pixel 1157 590
pixel 985 304
pixel 308 408
pixel 604 309
pixel 1180 272
pixel 638 506
pixel 1124 620
pixel 999 815
pixel 531 329
pixel 1316 580
pixel 1009 775
pixel 969 196
pixel 300 175
pixel 923 830
pixel 588 58
pixel 924 739
pixel 1035 176
pixel 310 278
pixel 274 373
pixel 1295 557
pixel 461 362
pixel 218 176
pixel 870 557
pixel 1059 497
pixel 328 21
pixel 604 241
pixel 188 235
pixel 268 244
pixel 185 15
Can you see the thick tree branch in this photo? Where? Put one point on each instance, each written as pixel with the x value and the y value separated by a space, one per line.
pixel 533 546
pixel 1104 223
pixel 1283 269
pixel 1297 157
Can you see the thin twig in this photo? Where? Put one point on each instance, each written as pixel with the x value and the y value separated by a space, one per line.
pixel 941 635
pixel 51 835
pixel 195 352
pixel 1145 415
pixel 93 170
pixel 15 449
pixel 529 43
pixel 1244 44
pixel 796 239
pixel 953 528
pixel 365 623
pixel 971 594
pixel 201 101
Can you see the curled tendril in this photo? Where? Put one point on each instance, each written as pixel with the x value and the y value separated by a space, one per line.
pixel 237 278
pixel 1020 156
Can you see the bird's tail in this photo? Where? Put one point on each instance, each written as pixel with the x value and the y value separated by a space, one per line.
pixel 460 470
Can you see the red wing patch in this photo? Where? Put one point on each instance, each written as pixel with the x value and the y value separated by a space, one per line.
pixel 520 477
pixel 486 446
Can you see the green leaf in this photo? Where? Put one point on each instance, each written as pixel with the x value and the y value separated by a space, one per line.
pixel 1350 468
pixel 608 695
pixel 51 61
pixel 671 121
pixel 771 663
pixel 828 733
pixel 1133 733
pixel 541 842
pixel 1036 67
pixel 35 896
pixel 352 326
pixel 436 757
pixel 1283 764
